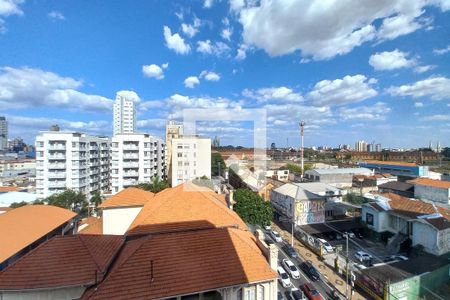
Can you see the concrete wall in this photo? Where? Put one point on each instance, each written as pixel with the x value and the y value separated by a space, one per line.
pixel 443 241
pixel 117 220
pixel 380 219
pixel 441 195
pixel 283 204
pixel 50 294
pixel 426 236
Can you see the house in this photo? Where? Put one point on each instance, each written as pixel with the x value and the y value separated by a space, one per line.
pixel 340 178
pixel 91 225
pixel 60 268
pixel 24 228
pixel 432 190
pixel 424 223
pixel 280 175
pixel 120 210
pixel 404 189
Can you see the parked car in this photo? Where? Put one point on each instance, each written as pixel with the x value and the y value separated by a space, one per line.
pixel 338 236
pixel 267 227
pixel 311 292
pixel 290 251
pixel 350 234
pixel 276 236
pixel 280 296
pixel 269 242
pixel 309 270
pixel 326 245
pixel 358 234
pixel 291 268
pixel 363 256
pixel 288 295
pixel 283 277
pixel 297 294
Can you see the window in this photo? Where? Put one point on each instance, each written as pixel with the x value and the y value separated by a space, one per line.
pixel 250 294
pixel 369 219
pixel 180 146
pixel 180 155
pixel 180 163
pixel 261 292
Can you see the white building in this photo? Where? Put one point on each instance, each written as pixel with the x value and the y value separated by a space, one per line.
pixel 191 158
pixel 174 130
pixel 124 115
pixel 341 177
pixel 71 160
pixel 361 146
pixel 437 191
pixel 3 133
pixel 136 158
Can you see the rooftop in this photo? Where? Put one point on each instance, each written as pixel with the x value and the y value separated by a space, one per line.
pixel 342 171
pixel 91 225
pixel 81 260
pixel 397 185
pixel 184 263
pixel 307 190
pixel 392 163
pixel 128 197
pixel 431 182
pixel 29 223
pixel 6 189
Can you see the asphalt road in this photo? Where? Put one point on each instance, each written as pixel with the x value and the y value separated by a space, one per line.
pixel 320 286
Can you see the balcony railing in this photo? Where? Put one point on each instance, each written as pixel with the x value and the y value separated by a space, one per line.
pixel 131 165
pixel 131 174
pixel 56 156
pixel 57 175
pixel 56 147
pixel 57 166
pixel 130 182
pixel 56 184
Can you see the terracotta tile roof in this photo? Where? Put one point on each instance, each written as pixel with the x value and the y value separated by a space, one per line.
pixel 394 163
pixel 71 260
pixel 431 182
pixel 184 263
pixel 6 189
pixel 128 197
pixel 180 208
pixel 91 225
pixel 29 223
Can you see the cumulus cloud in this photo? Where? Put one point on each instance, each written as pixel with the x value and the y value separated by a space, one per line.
pixel 273 93
pixel 434 118
pixel 391 60
pixel 436 88
pixel 241 52
pixel 130 95
pixel 350 89
pixel 191 30
pixel 177 103
pixel 210 76
pixel 418 104
pixel 56 15
pixel 226 33
pixel 10 7
pixel 312 115
pixel 175 42
pixel 208 3
pixel 325 31
pixel 442 50
pixel 374 112
pixel 27 87
pixel 423 69
pixel 218 48
pixel 191 82
pixel 154 71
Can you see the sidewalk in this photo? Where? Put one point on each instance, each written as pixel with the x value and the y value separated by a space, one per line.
pixel 331 277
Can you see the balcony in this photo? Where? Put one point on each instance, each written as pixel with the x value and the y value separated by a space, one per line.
pixel 131 156
pixel 131 174
pixel 130 182
pixel 130 147
pixel 56 147
pixel 57 166
pixel 57 184
pixel 131 165
pixel 94 163
pixel 56 156
pixel 57 175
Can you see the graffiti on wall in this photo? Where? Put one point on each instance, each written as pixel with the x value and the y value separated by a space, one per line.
pixel 308 212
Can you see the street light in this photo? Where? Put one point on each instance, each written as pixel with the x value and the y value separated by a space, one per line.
pixel 292 228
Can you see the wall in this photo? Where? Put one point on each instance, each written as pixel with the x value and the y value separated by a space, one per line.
pixel 337 180
pixel 309 212
pixel 117 220
pixel 282 203
pixel 444 241
pixel 60 294
pixel 441 195
pixel 379 218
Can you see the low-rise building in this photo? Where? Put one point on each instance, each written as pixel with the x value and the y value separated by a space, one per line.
pixel 340 177
pixel 404 189
pixel 280 175
pixel 437 191
pixel 395 168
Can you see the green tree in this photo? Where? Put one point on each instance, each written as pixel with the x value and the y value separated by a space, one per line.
pixel 18 204
pixel 294 168
pixel 353 198
pixel 216 163
pixel 252 208
pixel 69 199
pixel 156 186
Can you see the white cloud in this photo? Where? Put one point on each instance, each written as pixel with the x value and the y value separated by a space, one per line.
pixel 191 30
pixel 26 87
pixel 151 124
pixel 179 102
pixel 241 52
pixel 175 42
pixel 350 89
pixel 437 88
pixel 292 112
pixel 10 7
pixel 436 118
pixel 56 15
pixel 226 33
pixel 130 95
pixel 418 104
pixel 391 60
pixel 325 31
pixel 442 50
pixel 274 93
pixel 374 112
pixel 154 71
pixel 218 49
pixel 208 3
pixel 423 69
pixel 191 82
pixel 210 76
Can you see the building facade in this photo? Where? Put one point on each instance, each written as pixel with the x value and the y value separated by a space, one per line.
pixel 71 160
pixel 136 158
pixel 437 191
pixel 174 130
pixel 191 158
pixel 124 115
pixel 395 168
pixel 3 133
pixel 338 177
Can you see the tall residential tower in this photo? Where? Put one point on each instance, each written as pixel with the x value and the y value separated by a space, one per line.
pixel 124 114
pixel 3 133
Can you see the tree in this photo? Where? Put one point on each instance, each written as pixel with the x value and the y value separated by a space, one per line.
pixel 216 163
pixel 69 199
pixel 252 208
pixel 156 186
pixel 294 168
pixel 18 204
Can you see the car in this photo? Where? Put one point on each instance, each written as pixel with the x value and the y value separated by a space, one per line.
pixel 290 251
pixel 291 268
pixel 358 235
pixel 338 236
pixel 288 295
pixel 297 294
pixel 311 292
pixel 283 277
pixel 280 296
pixel 276 236
pixel 269 242
pixel 326 245
pixel 349 234
pixel 363 256
pixel 309 270
pixel 267 227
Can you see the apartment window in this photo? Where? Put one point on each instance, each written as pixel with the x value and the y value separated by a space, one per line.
pixel 369 219
pixel 180 147
pixel 180 163
pixel 261 292
pixel 180 155
pixel 186 147
pixel 186 163
pixel 250 294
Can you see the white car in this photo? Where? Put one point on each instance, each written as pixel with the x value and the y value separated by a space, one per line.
pixel 326 245
pixel 291 268
pixel 276 236
pixel 362 256
pixel 350 234
pixel 283 277
pixel 267 227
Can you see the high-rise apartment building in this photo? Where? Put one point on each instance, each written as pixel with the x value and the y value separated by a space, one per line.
pixel 191 158
pixel 174 130
pixel 71 160
pixel 3 133
pixel 136 158
pixel 124 115
pixel 361 146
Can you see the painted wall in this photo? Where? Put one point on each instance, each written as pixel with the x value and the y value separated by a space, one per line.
pixel 441 195
pixel 60 294
pixel 309 212
pixel 117 220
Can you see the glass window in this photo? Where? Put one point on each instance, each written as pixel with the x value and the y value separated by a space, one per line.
pixel 369 219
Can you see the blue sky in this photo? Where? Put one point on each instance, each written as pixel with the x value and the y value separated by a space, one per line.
pixel 372 70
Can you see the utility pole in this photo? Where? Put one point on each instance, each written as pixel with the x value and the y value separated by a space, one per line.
pixel 292 234
pixel 302 127
pixel 346 268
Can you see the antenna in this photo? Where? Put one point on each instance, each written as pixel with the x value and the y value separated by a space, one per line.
pixel 302 129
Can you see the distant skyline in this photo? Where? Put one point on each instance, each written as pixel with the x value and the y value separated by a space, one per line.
pixel 353 70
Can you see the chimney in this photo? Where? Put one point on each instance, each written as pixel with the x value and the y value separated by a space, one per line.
pixel 273 257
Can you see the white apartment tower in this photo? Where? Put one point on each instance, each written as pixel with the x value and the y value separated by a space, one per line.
pixel 3 133
pixel 361 146
pixel 174 130
pixel 124 115
pixel 136 158
pixel 71 160
pixel 191 158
